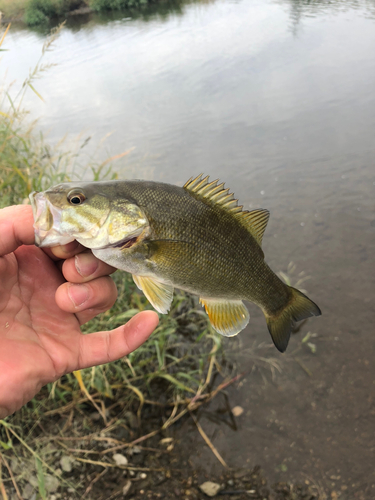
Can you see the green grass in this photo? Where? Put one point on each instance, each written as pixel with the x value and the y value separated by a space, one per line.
pixel 42 11
pixel 140 395
pixel 27 162
pixel 102 5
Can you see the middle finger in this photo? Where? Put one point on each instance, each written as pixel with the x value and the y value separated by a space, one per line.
pixel 85 267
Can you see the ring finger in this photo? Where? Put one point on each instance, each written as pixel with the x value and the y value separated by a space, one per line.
pixel 87 300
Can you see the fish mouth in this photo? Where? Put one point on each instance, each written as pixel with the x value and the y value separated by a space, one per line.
pixel 47 219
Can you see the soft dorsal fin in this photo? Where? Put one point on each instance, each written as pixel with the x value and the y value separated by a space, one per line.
pixel 255 221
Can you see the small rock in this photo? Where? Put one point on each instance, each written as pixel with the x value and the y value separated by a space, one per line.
pixel 33 481
pixel 66 463
pixel 237 411
pixel 126 488
pixel 51 483
pixel 28 491
pixel 142 475
pixel 132 419
pixel 209 488
pixel 120 459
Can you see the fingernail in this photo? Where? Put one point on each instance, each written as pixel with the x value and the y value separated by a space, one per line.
pixel 78 294
pixel 86 264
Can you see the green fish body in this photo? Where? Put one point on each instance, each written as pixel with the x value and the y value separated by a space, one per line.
pixel 194 237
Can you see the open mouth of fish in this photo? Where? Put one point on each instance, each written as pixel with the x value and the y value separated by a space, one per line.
pixel 47 222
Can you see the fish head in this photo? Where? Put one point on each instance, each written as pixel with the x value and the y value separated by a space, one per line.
pixel 90 213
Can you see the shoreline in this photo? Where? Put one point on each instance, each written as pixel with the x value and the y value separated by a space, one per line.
pixel 26 13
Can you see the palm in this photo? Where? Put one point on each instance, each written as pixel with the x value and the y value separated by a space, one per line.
pixel 34 329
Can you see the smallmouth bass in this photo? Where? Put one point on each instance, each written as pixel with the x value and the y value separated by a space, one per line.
pixel 196 238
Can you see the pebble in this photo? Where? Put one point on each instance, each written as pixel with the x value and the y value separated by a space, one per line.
pixel 120 459
pixel 66 463
pixel 209 488
pixel 237 411
pixel 51 483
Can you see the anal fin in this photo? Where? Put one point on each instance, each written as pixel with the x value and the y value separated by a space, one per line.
pixel 228 317
pixel 159 294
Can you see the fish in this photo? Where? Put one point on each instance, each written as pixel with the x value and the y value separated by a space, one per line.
pixel 196 238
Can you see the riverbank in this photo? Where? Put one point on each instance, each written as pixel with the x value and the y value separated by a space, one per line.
pixel 39 12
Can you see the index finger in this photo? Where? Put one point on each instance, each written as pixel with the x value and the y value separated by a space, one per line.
pixel 63 252
pixel 16 228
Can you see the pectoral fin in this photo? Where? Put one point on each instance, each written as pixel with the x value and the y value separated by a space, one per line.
pixel 228 317
pixel 159 294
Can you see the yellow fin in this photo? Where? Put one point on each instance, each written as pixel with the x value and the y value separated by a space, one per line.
pixel 159 294
pixel 228 317
pixel 211 191
pixel 255 221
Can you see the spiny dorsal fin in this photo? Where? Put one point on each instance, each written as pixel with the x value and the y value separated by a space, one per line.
pixel 255 221
pixel 211 191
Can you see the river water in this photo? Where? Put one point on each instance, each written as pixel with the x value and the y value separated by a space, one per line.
pixel 277 98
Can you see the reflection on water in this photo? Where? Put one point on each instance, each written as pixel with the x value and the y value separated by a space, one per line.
pixel 300 9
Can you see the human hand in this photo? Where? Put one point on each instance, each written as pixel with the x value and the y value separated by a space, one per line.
pixel 45 295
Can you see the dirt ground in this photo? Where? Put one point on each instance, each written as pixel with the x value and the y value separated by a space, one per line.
pixel 313 420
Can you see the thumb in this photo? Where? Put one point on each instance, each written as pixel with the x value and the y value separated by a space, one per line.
pixel 16 228
pixel 103 347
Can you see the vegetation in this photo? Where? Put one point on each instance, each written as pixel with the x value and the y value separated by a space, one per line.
pixel 37 12
pixel 41 11
pixel 168 377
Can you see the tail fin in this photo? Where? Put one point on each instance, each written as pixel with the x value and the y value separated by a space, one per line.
pixel 281 324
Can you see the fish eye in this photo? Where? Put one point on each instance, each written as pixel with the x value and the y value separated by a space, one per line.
pixel 76 198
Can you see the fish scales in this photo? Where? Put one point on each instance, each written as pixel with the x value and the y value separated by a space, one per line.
pixel 213 256
pixel 194 237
